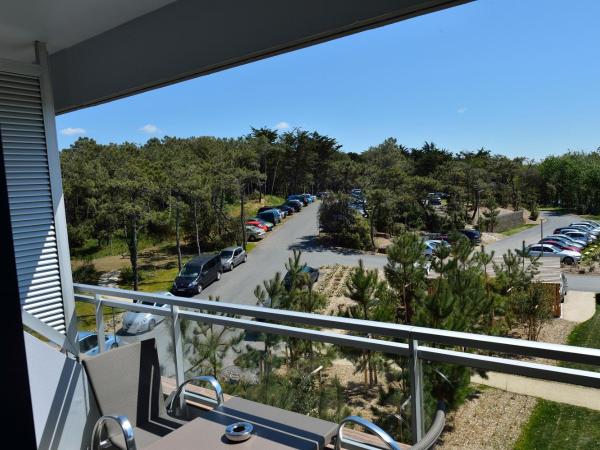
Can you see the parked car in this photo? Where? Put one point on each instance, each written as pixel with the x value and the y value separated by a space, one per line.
pixel 591 223
pixel 309 197
pixel 586 227
pixel 232 257
pixel 575 233
pixel 271 215
pixel 570 240
pixel 432 245
pixel 139 322
pixel 322 194
pixel 566 256
pixel 473 235
pixel 288 210
pixel 88 342
pixel 296 204
pixel 559 244
pixel 197 274
pixel 312 273
pixel 278 211
pixel 300 198
pixel 263 224
pixel 566 243
pixel 254 233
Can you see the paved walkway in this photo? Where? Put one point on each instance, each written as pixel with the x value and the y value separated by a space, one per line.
pixel 548 390
pixel 579 306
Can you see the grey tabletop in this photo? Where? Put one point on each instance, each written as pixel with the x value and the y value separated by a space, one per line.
pixel 208 433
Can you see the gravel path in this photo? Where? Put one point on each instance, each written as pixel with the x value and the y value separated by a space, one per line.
pixel 491 419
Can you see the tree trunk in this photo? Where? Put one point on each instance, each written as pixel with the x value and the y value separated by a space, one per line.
pixel 177 240
pixel 243 225
pixel 132 243
pixel 274 176
pixel 196 225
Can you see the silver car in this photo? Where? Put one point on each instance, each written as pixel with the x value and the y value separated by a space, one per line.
pixel 232 257
pixel 566 256
pixel 140 322
pixel 254 233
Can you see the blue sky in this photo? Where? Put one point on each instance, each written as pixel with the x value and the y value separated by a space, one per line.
pixel 521 78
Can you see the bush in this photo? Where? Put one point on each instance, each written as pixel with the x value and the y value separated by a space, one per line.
pixel 126 276
pixel 86 273
pixel 534 213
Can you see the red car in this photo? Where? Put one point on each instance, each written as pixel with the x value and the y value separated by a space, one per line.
pixel 258 224
pixel 560 245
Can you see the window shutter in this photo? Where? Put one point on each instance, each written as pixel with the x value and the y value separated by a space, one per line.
pixel 30 197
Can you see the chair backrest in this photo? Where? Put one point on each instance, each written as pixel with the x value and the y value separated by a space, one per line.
pixel 126 382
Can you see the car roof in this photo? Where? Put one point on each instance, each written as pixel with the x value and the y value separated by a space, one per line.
pixel 232 248
pixel 201 259
pixel 83 334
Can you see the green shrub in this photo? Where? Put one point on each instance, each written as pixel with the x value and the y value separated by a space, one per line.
pixel 86 273
pixel 126 277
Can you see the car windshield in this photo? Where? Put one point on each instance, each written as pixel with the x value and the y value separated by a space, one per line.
pixel 226 254
pixel 88 343
pixel 190 270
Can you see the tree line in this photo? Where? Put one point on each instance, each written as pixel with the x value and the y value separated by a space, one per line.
pixel 184 189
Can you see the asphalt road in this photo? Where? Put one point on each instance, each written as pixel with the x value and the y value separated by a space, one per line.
pixel 299 232
pixel 270 256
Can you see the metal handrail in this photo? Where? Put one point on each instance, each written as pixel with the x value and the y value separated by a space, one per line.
pixel 470 340
pixel 416 352
pixel 62 340
pixel 123 423
pixel 175 395
pixel 369 426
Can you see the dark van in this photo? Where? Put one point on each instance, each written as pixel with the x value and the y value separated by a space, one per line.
pixel 269 216
pixel 197 274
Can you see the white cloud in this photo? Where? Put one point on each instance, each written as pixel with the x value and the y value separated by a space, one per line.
pixel 72 131
pixel 282 126
pixel 150 129
pixel 462 110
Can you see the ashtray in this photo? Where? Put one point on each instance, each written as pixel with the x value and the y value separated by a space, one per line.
pixel 239 431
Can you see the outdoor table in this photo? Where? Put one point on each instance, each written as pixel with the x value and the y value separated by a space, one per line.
pixel 276 429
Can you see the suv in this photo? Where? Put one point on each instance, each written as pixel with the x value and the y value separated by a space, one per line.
pixel 296 204
pixel 278 210
pixel 197 274
pixel 270 216
pixel 473 235
pixel 233 256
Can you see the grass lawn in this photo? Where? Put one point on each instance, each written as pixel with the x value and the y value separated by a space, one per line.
pixel 86 315
pixel 118 246
pixel 250 246
pixel 558 426
pixel 586 334
pixel 252 206
pixel 518 229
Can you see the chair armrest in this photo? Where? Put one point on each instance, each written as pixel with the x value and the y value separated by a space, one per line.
pixel 175 395
pixel 369 426
pixel 124 425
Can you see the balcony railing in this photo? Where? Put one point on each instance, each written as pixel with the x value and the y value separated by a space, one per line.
pixel 406 341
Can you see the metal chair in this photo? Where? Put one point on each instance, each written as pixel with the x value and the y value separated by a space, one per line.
pixel 127 386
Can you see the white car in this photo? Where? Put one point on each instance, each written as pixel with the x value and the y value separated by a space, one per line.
pixel 140 322
pixel 566 256
pixel 431 247
pixel 568 240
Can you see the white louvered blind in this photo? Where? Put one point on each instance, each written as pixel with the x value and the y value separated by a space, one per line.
pixel 30 197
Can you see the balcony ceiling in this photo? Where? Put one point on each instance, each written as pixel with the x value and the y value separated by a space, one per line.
pixel 101 50
pixel 62 23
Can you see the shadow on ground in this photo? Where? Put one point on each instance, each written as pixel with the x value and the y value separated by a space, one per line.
pixel 309 244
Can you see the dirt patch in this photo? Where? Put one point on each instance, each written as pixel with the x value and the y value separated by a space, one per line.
pixel 489 419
